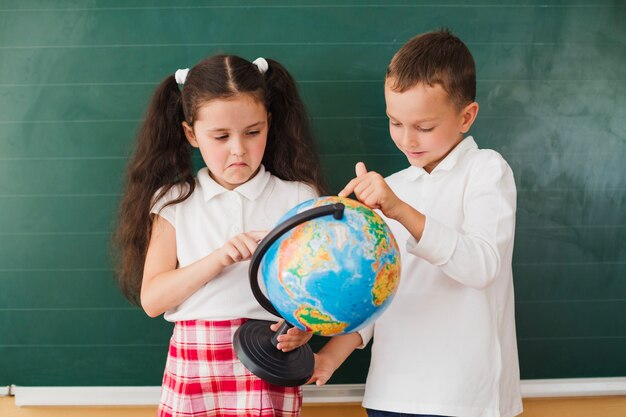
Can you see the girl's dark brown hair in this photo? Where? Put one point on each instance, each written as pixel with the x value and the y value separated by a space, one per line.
pixel 437 57
pixel 162 158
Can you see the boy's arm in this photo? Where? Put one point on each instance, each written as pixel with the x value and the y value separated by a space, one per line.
pixel 411 219
pixel 371 189
pixel 332 355
pixel 474 253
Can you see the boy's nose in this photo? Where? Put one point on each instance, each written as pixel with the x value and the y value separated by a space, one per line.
pixel 409 138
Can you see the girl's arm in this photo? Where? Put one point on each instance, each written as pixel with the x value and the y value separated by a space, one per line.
pixel 164 287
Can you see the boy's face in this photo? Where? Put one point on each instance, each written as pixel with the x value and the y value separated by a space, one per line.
pixel 425 124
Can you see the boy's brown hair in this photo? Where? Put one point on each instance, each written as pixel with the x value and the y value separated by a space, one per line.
pixel 432 58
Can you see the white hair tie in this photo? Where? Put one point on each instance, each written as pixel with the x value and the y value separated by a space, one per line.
pixel 261 64
pixel 181 75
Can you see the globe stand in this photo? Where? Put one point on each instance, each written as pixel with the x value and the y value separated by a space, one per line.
pixel 255 347
pixel 254 341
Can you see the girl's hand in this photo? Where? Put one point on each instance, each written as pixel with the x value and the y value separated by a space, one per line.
pixel 294 337
pixel 371 189
pixel 323 370
pixel 240 248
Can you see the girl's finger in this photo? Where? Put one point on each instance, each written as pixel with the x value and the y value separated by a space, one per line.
pixel 241 247
pixel 232 252
pixel 276 326
pixel 295 331
pixel 250 243
pixel 257 235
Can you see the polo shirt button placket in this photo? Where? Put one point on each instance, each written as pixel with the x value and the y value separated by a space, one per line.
pixel 237 210
pixel 424 193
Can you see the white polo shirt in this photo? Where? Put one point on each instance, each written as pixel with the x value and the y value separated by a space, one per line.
pixel 207 220
pixel 447 345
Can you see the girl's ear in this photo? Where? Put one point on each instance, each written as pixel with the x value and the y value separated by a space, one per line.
pixel 468 115
pixel 190 135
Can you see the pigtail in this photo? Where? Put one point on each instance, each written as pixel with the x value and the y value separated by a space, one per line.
pixel 161 160
pixel 291 152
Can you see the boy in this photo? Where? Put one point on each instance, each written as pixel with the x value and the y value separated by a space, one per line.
pixel 446 345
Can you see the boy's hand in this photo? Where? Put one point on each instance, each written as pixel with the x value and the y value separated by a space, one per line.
pixel 323 370
pixel 294 338
pixel 240 248
pixel 371 189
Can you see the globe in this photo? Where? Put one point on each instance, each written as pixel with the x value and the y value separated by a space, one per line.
pixel 332 276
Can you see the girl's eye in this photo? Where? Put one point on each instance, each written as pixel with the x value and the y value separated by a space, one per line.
pixel 253 133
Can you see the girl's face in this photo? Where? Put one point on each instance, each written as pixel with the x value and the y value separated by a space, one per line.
pixel 231 134
pixel 425 125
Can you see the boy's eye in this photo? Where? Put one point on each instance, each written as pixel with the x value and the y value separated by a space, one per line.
pixel 394 123
pixel 222 137
pixel 426 130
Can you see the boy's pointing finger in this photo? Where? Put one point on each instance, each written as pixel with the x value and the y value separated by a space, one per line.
pixel 349 188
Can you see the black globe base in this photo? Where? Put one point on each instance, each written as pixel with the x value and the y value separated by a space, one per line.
pixel 255 349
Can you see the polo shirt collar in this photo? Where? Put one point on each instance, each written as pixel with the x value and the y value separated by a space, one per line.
pixel 251 189
pixel 412 173
pixel 455 154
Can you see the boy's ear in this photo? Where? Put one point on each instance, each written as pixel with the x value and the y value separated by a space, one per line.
pixel 468 115
pixel 190 135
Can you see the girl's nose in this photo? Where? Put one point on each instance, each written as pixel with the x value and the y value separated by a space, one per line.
pixel 238 148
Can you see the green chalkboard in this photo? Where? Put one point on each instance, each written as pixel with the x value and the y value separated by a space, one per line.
pixel 75 77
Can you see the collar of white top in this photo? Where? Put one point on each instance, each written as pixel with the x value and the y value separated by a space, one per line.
pixel 412 173
pixel 251 189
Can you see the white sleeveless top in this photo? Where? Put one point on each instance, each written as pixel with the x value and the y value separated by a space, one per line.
pixel 207 220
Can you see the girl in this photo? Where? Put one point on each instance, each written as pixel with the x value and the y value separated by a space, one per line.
pixel 184 240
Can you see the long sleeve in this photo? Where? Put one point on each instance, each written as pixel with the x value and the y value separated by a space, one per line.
pixel 366 335
pixel 471 254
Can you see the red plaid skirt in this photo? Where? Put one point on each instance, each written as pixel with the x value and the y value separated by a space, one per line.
pixel 204 378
